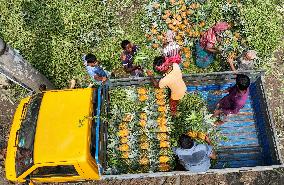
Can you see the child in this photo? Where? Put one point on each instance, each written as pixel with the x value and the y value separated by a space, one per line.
pixel 127 57
pixel 235 100
pixel 171 48
pixel 94 70
pixel 172 79
pixel 194 157
pixel 245 62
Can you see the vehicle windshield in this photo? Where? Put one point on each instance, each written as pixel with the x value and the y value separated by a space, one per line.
pixel 26 134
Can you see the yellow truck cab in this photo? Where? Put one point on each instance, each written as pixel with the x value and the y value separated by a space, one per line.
pixel 53 138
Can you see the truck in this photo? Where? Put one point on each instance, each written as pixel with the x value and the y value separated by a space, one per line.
pixel 53 139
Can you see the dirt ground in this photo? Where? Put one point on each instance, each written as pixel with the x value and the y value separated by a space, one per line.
pixel 274 83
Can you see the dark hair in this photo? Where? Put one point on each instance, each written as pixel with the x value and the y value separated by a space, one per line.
pixel 90 58
pixel 42 87
pixel 124 43
pixel 242 82
pixel 158 61
pixel 185 142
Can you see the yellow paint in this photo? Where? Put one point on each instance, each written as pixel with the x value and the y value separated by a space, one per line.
pixel 62 136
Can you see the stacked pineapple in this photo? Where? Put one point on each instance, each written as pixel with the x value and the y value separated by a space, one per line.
pixel 162 131
pixel 144 143
pixel 123 134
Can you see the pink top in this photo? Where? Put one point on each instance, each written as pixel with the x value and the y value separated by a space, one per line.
pixel 234 101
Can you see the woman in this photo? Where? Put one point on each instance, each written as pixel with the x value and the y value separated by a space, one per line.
pixel 205 48
pixel 171 48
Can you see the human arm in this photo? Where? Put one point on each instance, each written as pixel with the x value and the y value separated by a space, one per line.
pixel 213 155
pixel 100 78
pixel 212 50
pixel 230 60
pixel 152 79
pixel 211 152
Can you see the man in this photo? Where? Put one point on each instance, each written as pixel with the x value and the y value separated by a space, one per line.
pixel 194 157
pixel 94 70
pixel 245 62
pixel 127 58
pixel 234 101
pixel 172 79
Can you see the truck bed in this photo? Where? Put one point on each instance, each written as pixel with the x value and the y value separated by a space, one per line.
pixel 252 143
pixel 242 148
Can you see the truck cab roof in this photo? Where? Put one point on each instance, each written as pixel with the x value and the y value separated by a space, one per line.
pixel 63 126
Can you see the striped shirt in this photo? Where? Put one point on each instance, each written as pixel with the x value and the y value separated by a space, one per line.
pixel 172 49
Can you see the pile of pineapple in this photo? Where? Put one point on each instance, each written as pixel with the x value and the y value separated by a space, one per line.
pixel 189 19
pixel 142 134
pixel 180 16
pixel 139 131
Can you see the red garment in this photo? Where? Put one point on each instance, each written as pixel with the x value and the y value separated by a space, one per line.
pixel 209 37
pixel 168 62
pixel 173 106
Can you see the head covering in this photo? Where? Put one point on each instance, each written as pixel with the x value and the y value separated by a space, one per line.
pixel 168 62
pixel 210 35
pixel 170 36
pixel 221 26
pixel 251 54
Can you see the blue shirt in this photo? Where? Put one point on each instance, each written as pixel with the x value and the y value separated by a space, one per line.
pixel 195 159
pixel 97 70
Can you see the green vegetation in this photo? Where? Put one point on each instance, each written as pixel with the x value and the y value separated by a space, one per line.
pixel 53 35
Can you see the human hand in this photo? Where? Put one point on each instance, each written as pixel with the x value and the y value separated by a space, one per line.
pixel 104 79
pixel 207 140
pixel 149 73
pixel 218 92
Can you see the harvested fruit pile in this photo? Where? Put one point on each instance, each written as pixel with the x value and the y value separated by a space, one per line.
pixel 141 133
pixel 189 19
pixel 138 132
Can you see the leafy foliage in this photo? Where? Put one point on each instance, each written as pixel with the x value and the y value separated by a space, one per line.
pixel 53 35
pixel 194 116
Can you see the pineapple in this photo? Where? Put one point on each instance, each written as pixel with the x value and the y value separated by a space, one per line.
pixel 123 140
pixel 192 134
pixel 128 117
pixel 162 136
pixel 160 102
pixel 143 98
pixel 159 91
pixel 142 90
pixel 164 167
pixel 144 146
pixel 142 123
pixel 162 108
pixel 164 144
pixel 123 148
pixel 201 135
pixel 163 128
pixel 159 96
pixel 161 121
pixel 144 160
pixel 125 155
pixel 164 159
pixel 143 116
pixel 123 133
pixel 122 126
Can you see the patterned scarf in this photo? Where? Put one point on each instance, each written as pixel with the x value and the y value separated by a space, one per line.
pixel 168 62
